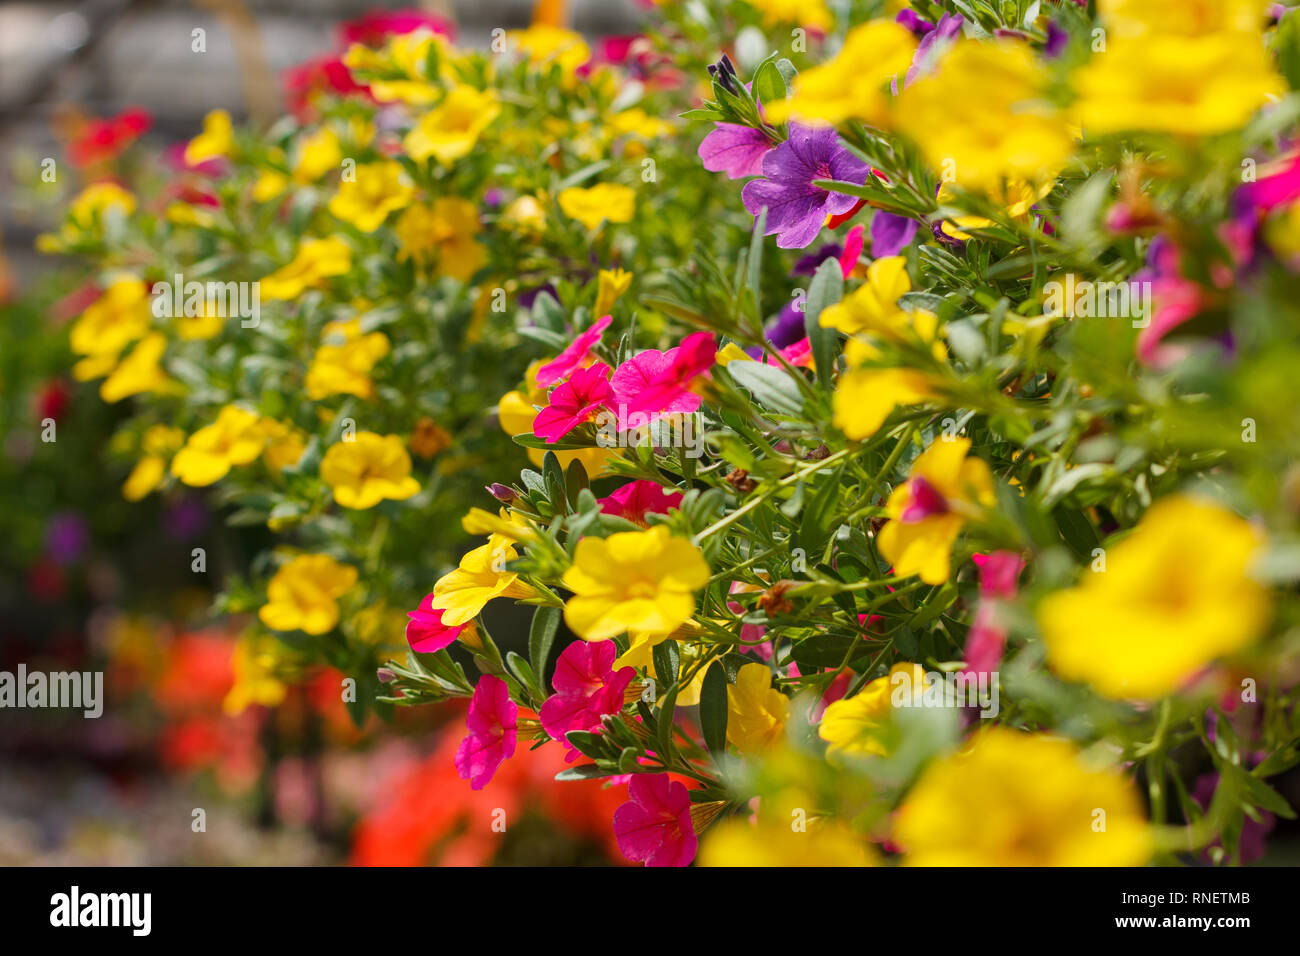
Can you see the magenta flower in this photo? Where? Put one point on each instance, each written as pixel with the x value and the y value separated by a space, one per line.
pixel 493 732
pixel 848 258
pixel 426 633
pixel 586 689
pixel 796 209
pixel 924 501
pixel 987 638
pixel 574 402
pixel 574 355
pixel 654 827
pixel 735 150
pixel 654 384
pixel 638 498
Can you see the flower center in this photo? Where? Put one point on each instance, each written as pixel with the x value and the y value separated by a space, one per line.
pixel 924 501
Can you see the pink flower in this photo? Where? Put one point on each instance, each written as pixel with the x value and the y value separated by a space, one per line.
pixel 573 356
pixel 735 150
pixel 426 633
pixel 852 250
pixel 493 732
pixel 638 498
pixel 655 384
pixel 654 826
pixel 799 354
pixel 586 689
pixel 374 27
pixel 574 402
pixel 987 639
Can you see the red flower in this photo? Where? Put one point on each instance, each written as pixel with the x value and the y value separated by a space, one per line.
pixel 102 140
pixel 586 689
pixel 638 498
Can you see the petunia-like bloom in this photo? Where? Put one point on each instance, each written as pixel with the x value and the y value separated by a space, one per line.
pixel 1175 595
pixel 891 234
pixel 574 402
pixel 574 355
pixel 463 593
pixel 987 638
pixel 442 235
pixel 735 150
pixel 599 203
pixel 855 84
pixel 654 827
pixel 233 439
pixel 342 365
pixel 451 129
pixel 928 511
pixel 636 499
pixel 587 688
pixel 859 725
pixel 756 711
pixel 610 286
pixel 1018 799
pixel 653 384
pixel 316 261
pixel 302 595
pixel 427 632
pixel 374 190
pixel 141 371
pixel 216 140
pixel 368 469
pixel 796 209
pixel 493 732
pixel 873 306
pixel 865 396
pixel 641 581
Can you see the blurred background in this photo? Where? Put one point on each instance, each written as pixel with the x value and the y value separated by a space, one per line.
pixel 90 581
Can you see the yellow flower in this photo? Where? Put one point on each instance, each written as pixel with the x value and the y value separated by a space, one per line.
pixel 284 443
pixel 855 84
pixel 1017 799
pixel 405 55
pixel 731 352
pixel 216 140
pixel 545 45
pixel 610 284
pixel 526 214
pixel 317 260
pixel 604 201
pixel 449 131
pixel 873 306
pixel 639 581
pixel 859 725
pixel 443 232
pixel 139 372
pixel 301 595
pixel 864 397
pixel 775 842
pixel 87 215
pixel 317 155
pixel 806 13
pixel 756 711
pixel 366 470
pixel 928 511
pixel 254 663
pixel 637 122
pixel 980 118
pixel 375 190
pixel 209 454
pixel 482 576
pixel 344 368
pixel 515 413
pixel 208 324
pixel 112 322
pixel 1190 85
pixel 1173 596
pixel 158 443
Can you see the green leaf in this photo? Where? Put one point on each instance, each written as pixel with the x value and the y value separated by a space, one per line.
pixel 769 84
pixel 541 635
pixel 665 659
pixel 826 289
pixel 754 261
pixel 713 708
pixel 771 386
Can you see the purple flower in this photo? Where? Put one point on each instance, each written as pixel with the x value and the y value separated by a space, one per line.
pixel 931 47
pixel 891 234
pixel 788 327
pixel 66 538
pixel 796 209
pixel 735 150
pixel 807 264
pixel 913 22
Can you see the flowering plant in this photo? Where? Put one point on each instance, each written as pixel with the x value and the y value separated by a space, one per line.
pixel 962 533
